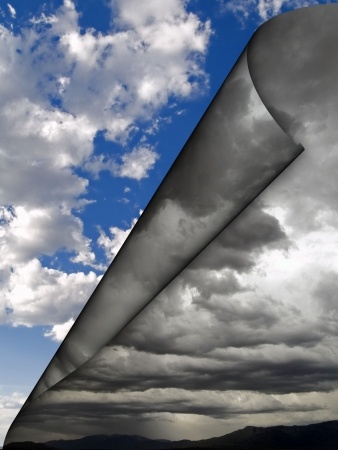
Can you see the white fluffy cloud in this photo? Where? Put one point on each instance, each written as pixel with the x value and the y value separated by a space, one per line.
pixel 137 163
pixel 25 233
pixel 117 78
pixel 59 86
pixel 59 332
pixel 111 245
pixel 35 295
pixel 134 165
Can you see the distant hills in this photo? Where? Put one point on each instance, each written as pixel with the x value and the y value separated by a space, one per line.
pixel 319 436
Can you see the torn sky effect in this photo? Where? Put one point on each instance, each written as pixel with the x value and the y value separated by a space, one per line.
pixel 288 247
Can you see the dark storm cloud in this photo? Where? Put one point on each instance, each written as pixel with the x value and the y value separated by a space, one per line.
pixel 265 369
pixel 214 319
pixel 139 410
pixel 238 246
pixel 168 326
pixel 85 411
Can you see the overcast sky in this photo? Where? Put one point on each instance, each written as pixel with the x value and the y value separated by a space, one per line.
pixel 246 334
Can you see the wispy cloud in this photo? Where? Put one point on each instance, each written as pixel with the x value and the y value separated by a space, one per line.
pixel 134 165
pixel 111 245
pixel 12 11
pixel 264 9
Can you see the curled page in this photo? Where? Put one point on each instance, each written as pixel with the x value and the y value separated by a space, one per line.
pixel 234 153
pixel 124 363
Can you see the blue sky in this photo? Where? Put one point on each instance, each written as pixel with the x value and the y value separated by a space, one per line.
pixel 90 124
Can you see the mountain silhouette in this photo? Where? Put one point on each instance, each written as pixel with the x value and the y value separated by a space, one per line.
pixel 319 436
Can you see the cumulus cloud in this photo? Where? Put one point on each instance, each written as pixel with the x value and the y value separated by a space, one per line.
pixel 100 83
pixel 59 332
pixel 137 163
pixel 35 295
pixel 134 165
pixel 111 245
pixel 29 232
pixel 61 85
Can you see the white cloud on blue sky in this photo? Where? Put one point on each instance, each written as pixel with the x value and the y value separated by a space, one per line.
pixel 265 9
pixel 112 245
pixel 60 86
pixel 11 10
pixel 134 165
